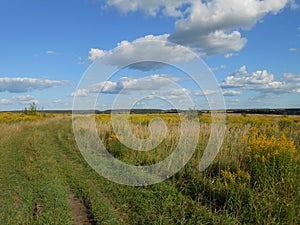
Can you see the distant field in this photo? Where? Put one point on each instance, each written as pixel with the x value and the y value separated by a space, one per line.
pixel 255 178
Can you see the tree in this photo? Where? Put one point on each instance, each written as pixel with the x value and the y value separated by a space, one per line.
pixel 31 110
pixel 191 113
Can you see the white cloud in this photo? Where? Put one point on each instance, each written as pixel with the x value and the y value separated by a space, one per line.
pixel 222 67
pixel 4 101
pixel 153 47
pixel 229 55
pixel 96 53
pixel 207 17
pixel 106 87
pixel 50 52
pixel 177 93
pixel 292 49
pixel 150 97
pixel 260 97
pixel 140 103
pixel 293 4
pixel 151 7
pixel 291 77
pixel 81 61
pixel 241 78
pixel 205 92
pixel 25 84
pixel 184 93
pixel 58 101
pixel 30 102
pixel 231 93
pixel 262 81
pixel 127 84
pixel 212 26
pixel 23 98
pixel 80 93
pixel 210 92
pixel 175 7
pixel 232 102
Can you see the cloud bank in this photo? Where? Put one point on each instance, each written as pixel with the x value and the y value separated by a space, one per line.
pixel 25 84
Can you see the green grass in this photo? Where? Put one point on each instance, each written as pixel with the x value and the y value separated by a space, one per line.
pixel 40 165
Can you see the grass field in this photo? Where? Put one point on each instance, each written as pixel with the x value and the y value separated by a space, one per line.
pixel 255 178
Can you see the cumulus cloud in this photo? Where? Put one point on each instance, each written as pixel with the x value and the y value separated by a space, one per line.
pixel 23 98
pixel 96 53
pixel 26 99
pixel 262 81
pixel 142 49
pixel 80 93
pixel 25 84
pixel 210 27
pixel 241 78
pixel 151 7
pixel 127 84
pixel 213 43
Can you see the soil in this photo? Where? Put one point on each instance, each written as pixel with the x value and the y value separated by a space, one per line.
pixel 79 211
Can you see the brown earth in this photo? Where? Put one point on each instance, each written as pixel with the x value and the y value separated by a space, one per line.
pixel 79 211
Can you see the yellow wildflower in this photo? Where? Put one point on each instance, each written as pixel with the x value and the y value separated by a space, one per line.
pixel 226 185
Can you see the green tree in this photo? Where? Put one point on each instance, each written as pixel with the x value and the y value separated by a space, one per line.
pixel 31 110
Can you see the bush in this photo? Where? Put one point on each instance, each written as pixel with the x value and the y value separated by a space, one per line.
pixel 269 160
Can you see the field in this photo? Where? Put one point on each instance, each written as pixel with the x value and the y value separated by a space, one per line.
pixel 255 178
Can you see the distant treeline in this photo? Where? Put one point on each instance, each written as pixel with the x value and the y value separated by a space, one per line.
pixel 289 111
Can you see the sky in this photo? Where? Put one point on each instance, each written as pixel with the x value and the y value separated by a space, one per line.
pixel 98 52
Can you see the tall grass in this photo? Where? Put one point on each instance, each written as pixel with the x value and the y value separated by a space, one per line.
pixel 253 180
pixel 255 177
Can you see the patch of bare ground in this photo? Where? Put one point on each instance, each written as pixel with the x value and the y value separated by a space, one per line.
pixel 37 210
pixel 80 211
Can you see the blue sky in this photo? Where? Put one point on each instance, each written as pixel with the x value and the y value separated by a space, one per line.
pixel 251 46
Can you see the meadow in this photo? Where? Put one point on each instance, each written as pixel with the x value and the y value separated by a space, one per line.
pixel 255 178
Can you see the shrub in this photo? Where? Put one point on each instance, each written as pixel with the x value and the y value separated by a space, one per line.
pixel 269 160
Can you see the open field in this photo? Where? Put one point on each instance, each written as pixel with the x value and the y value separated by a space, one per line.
pixel 255 178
